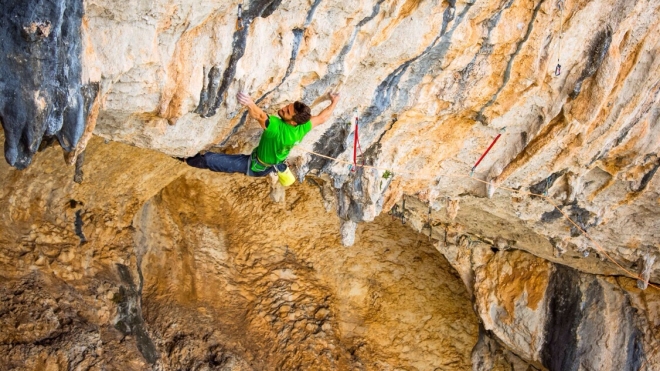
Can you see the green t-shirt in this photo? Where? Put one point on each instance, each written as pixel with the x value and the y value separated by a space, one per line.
pixel 277 141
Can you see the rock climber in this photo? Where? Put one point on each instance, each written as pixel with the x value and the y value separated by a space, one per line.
pixel 280 134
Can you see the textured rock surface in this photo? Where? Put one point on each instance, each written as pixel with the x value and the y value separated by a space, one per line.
pixel 552 316
pixel 171 268
pixel 433 82
pixel 47 325
pixel 277 283
pixel 41 92
pixel 67 303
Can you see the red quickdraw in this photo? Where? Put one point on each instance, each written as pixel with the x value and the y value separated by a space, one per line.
pixel 485 153
pixel 356 145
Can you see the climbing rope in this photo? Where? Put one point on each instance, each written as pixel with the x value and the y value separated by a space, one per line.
pixel 560 4
pixel 511 190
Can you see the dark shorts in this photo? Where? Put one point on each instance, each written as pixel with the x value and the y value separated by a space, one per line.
pixel 228 164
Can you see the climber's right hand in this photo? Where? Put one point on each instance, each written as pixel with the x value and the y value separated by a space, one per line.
pixel 244 99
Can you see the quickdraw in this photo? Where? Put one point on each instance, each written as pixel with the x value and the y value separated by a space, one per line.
pixel 560 4
pixel 395 213
pixel 356 144
pixel 428 222
pixel 239 19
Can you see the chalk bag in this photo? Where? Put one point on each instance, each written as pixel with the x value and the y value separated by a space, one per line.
pixel 285 177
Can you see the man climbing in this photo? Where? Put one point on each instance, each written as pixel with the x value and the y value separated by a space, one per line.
pixel 279 136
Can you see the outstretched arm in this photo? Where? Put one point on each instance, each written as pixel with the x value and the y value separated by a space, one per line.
pixel 327 112
pixel 254 111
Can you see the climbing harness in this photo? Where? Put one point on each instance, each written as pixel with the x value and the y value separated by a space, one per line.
pixel 356 144
pixel 487 150
pixel 560 4
pixel 239 19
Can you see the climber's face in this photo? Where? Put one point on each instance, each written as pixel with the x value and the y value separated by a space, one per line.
pixel 287 112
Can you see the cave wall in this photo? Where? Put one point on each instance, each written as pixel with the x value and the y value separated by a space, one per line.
pixel 175 267
pixel 433 82
pixel 42 94
pixel 70 299
pixel 167 267
pixel 274 279
pixel 561 319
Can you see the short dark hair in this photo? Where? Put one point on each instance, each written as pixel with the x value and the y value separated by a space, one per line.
pixel 303 112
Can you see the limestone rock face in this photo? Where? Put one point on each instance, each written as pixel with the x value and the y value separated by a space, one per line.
pixel 554 235
pixel 278 286
pixel 41 92
pixel 559 318
pixel 170 268
pixel 553 316
pixel 432 84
